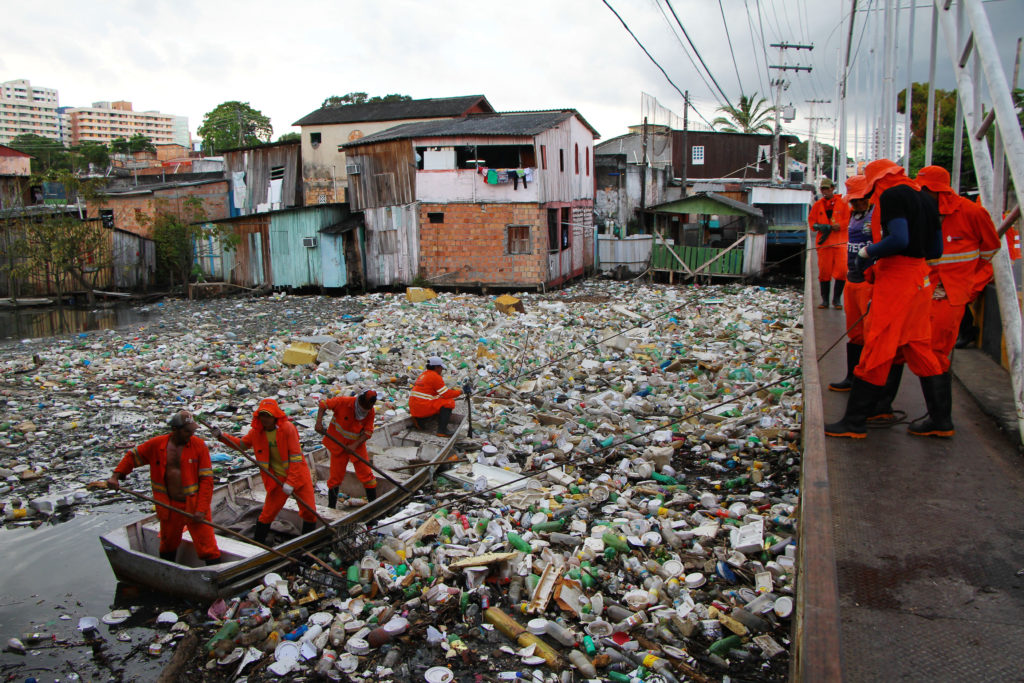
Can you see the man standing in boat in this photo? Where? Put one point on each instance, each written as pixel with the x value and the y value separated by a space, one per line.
pixel 431 397
pixel 275 441
pixel 350 429
pixel 182 477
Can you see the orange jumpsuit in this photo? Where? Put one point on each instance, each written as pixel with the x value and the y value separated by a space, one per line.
pixel 297 474
pixel 346 428
pixel 832 253
pixel 197 482
pixel 430 394
pixel 969 242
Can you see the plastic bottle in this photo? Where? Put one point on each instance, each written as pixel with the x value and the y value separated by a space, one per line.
pixel 338 632
pixel 581 662
pixel 258 634
pixel 614 541
pixel 226 632
pixel 518 543
pixel 326 662
pixel 560 633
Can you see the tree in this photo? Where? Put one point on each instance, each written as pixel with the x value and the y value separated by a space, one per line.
pixel 93 153
pixel 362 98
pixel 945 111
pixel 290 137
pixel 748 116
pixel 47 154
pixel 176 232
pixel 825 152
pixel 942 155
pixel 234 124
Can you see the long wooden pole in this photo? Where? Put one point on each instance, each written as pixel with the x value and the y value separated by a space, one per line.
pixel 220 527
pixel 267 471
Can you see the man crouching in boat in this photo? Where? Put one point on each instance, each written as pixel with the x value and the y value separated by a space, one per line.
pixel 430 397
pixel 275 441
pixel 347 434
pixel 182 477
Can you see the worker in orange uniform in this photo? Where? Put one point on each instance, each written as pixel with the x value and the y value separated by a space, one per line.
pixel 352 426
pixel 829 218
pixel 898 321
pixel 958 277
pixel 858 282
pixel 275 442
pixel 182 477
pixel 431 397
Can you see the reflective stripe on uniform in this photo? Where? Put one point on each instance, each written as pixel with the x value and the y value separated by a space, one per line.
pixel 136 457
pixel 205 472
pixel 962 257
pixel 190 490
pixel 344 432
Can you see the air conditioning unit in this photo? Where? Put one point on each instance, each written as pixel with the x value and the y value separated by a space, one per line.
pixel 352 169
pixel 309 242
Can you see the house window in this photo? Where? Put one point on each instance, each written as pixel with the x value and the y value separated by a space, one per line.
pixel 314 139
pixel 387 241
pixel 517 239
pixel 544 157
pixel 561 160
pixel 435 218
pixel 566 226
pixel 277 172
pixel 577 158
pixel 107 217
pixel 552 231
pixel 697 156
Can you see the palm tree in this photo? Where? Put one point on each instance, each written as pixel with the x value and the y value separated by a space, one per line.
pixel 749 116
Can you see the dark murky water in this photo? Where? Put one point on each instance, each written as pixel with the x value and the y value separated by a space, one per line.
pixel 33 323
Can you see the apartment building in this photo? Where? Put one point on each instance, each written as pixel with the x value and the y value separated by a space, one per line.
pixel 106 121
pixel 25 108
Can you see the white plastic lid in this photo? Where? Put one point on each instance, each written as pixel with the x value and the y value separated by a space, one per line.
pixel 784 606
pixel 358 646
pixel 537 626
pixel 489 449
pixel 396 625
pixel 695 580
pixel 272 580
pixel 672 568
pixel 286 651
pixel 599 628
pixel 439 674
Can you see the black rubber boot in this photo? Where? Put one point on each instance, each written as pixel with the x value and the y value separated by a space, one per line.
pixel 883 410
pixel 938 396
pixel 170 555
pixel 863 397
pixel 837 294
pixel 442 422
pixel 332 498
pixel 307 527
pixel 824 286
pixel 261 532
pixel 853 352
pixel 371 494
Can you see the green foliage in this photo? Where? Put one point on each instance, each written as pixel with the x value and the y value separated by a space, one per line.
pixel 47 153
pixel 825 151
pixel 290 137
pixel 92 153
pixel 175 233
pixel 362 98
pixel 234 124
pixel 945 111
pixel 942 155
pixel 750 115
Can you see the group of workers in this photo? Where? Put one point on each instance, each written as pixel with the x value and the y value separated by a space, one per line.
pixel 914 253
pixel 181 473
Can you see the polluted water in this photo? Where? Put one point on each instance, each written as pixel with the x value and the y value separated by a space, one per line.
pixel 623 510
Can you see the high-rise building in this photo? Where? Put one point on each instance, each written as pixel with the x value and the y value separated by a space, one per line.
pixel 106 121
pixel 28 109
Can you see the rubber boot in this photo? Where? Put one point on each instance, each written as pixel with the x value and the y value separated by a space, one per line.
pixel 863 396
pixel 216 560
pixel 938 396
pixel 442 422
pixel 883 410
pixel 824 286
pixel 837 294
pixel 261 532
pixel 307 527
pixel 170 555
pixel 332 498
pixel 853 352
pixel 371 494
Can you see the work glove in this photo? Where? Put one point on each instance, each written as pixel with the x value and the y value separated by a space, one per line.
pixel 288 489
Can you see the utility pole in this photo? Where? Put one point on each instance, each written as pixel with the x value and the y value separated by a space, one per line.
pixel 643 182
pixel 686 149
pixel 780 84
pixel 812 139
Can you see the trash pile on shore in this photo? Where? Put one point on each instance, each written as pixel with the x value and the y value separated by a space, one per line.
pixel 625 509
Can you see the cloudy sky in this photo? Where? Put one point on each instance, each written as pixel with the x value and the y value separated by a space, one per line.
pixel 185 57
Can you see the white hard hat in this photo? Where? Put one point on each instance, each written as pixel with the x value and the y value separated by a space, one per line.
pixel 435 360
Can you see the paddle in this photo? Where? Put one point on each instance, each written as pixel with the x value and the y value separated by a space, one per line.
pixel 267 471
pixel 368 464
pixel 219 527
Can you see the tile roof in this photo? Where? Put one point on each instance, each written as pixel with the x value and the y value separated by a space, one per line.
pixel 436 107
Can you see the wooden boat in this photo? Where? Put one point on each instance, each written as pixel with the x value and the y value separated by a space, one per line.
pixel 132 550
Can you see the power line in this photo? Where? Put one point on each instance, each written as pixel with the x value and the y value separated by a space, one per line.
pixel 753 44
pixel 731 52
pixel 682 45
pixel 696 51
pixel 651 57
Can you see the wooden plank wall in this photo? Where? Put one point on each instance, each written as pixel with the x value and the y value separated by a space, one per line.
pixel 387 175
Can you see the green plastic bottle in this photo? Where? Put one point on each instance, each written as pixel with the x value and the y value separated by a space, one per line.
pixel 614 541
pixel 518 543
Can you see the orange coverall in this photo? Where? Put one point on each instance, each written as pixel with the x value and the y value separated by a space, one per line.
pixel 197 482
pixel 430 394
pixel 297 475
pixel 969 242
pixel 346 428
pixel 831 254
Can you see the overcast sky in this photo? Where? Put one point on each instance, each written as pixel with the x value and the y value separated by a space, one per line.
pixel 185 57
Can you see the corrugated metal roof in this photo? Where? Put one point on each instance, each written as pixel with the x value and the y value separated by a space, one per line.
pixel 679 205
pixel 395 111
pixel 513 124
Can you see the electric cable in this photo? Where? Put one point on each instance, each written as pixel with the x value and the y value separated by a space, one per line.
pixel 696 51
pixel 732 53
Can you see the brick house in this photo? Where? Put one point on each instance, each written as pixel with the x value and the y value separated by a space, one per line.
pixel 326 130
pixel 15 169
pixel 485 200
pixel 133 207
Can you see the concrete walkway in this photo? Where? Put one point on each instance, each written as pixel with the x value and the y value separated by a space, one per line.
pixel 928 534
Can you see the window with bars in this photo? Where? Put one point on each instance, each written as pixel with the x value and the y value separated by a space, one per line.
pixel 517 239
pixel 697 155
pixel 277 172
